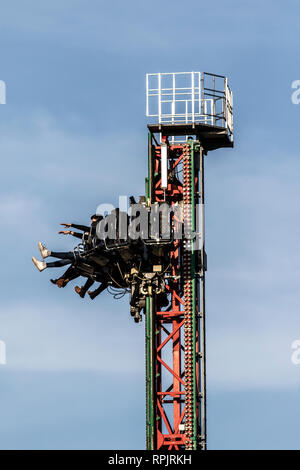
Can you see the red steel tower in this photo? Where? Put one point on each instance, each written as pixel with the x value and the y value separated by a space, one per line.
pixel 194 114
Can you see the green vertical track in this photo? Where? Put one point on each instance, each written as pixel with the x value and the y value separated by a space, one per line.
pixel 150 411
pixel 150 328
pixel 193 228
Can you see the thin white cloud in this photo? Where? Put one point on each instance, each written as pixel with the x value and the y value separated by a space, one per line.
pixel 65 160
pixel 257 357
pixel 54 336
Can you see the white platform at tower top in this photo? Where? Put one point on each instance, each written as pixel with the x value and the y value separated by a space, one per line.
pixel 182 99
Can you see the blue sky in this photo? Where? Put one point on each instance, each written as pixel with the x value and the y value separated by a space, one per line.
pixel 73 135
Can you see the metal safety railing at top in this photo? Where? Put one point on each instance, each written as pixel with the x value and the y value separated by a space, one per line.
pixel 190 97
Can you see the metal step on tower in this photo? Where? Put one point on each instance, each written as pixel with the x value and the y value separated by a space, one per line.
pixel 191 113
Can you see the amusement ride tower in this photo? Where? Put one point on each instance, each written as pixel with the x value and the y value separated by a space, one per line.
pixel 191 114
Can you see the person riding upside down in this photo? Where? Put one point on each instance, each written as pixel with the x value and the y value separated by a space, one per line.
pixel 71 257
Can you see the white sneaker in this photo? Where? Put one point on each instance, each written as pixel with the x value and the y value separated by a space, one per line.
pixel 44 252
pixel 41 265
